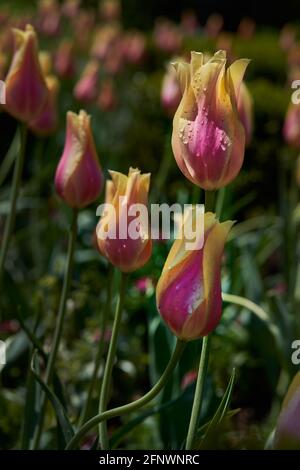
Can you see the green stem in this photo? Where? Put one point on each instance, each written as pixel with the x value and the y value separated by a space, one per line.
pixel 99 355
pixel 9 225
pixel 135 405
pixel 59 325
pixel 209 201
pixel 220 201
pixel 198 397
pixel 110 361
pixel 196 410
pixel 10 157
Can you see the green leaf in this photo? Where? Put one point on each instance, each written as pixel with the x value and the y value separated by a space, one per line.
pixel 31 413
pixel 209 436
pixel 60 412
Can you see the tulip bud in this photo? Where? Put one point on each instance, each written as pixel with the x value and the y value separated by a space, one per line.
pixel 134 46
pixel 125 249
pixel 86 88
pixel 245 110
pixel 208 137
pixel 26 89
pixel 79 177
pixel 287 433
pixel 170 91
pixel 46 122
pixel 188 293
pixel 291 129
pixel 64 60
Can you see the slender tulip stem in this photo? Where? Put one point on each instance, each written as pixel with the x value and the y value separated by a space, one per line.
pixel 196 410
pixel 135 405
pixel 110 361
pixel 59 325
pixel 9 225
pixel 204 358
pixel 100 351
pixel 210 201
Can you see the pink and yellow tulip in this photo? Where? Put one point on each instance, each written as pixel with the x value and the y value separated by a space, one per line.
pixel 287 432
pixel 208 137
pixel 26 88
pixel 188 293
pixel 122 193
pixel 79 178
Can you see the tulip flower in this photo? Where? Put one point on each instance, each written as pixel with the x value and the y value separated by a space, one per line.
pixel 124 251
pixel 79 178
pixel 291 129
pixel 46 122
pixel 170 91
pixel 287 433
pixel 208 137
pixel 167 36
pixel 86 88
pixel 134 46
pixel 245 110
pixel 26 89
pixel 64 63
pixel 188 292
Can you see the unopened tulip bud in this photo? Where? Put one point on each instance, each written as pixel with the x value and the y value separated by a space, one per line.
pixel 64 60
pixel 134 45
pixel 79 178
pixel 26 89
pixel 46 122
pixel 245 110
pixel 208 137
pixel 291 129
pixel 287 433
pixel 123 238
pixel 86 88
pixel 188 293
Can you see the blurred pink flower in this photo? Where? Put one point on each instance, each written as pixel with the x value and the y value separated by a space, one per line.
pixel 134 46
pixel 189 22
pixel 9 326
pixel 107 99
pixel 170 94
pixel 143 284
pixel 189 378
pixel 214 25
pixel 291 128
pixel 86 88
pixel 64 61
pixel 45 122
pixel 48 17
pixel 167 36
pixel 110 10
pixel 246 28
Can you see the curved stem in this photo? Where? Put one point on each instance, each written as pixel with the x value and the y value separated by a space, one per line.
pixel 59 326
pixel 196 410
pixel 110 361
pixel 99 355
pixel 13 199
pixel 198 397
pixel 135 405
